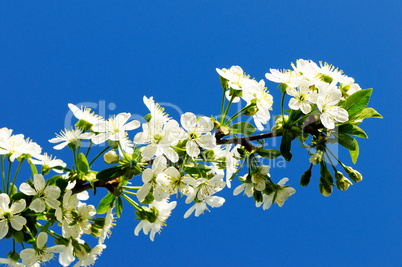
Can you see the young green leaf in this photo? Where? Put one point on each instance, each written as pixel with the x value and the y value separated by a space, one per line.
pixel 358 101
pixel 268 153
pixel 346 141
pixel 354 154
pixel 105 203
pixel 112 172
pixel 352 130
pixel 119 206
pixel 243 127
pixel 366 113
pixel 82 163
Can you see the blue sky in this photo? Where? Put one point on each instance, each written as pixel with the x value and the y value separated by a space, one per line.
pixel 110 54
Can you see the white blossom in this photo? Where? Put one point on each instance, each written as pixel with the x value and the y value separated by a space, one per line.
pixel 200 207
pixel 47 162
pixel 282 195
pixel 67 137
pixel 149 178
pixel 164 209
pixel 10 215
pixel 43 195
pixel 114 129
pixel 198 133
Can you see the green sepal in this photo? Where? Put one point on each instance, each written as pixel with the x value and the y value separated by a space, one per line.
pixel 105 204
pixel 283 87
pixel 257 196
pixel 243 127
pixel 268 153
pixel 33 168
pixel 357 101
pixel 119 206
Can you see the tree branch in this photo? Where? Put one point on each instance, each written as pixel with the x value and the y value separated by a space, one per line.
pixel 244 141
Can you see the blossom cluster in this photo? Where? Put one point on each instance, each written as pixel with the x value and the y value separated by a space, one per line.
pixel 322 86
pixel 193 157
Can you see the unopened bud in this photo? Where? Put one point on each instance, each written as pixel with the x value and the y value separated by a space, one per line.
pixel 342 183
pixel 353 174
pixel 111 157
pixel 251 111
pixel 305 179
pixel 325 189
pixel 316 157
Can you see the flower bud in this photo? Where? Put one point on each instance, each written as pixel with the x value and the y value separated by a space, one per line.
pixel 342 183
pixel 353 174
pixel 305 179
pixel 210 154
pixel 111 157
pixel 251 111
pixel 325 189
pixel 316 157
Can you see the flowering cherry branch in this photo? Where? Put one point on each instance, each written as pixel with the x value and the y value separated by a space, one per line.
pixel 197 158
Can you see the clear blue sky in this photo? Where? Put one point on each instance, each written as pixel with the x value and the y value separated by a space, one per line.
pixel 114 52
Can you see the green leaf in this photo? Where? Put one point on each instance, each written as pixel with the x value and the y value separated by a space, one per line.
pixel 354 154
pixel 358 101
pixel 62 184
pixel 346 141
pixel 352 130
pixel 366 113
pixel 53 180
pixel 197 169
pixel 119 206
pixel 105 204
pixel 82 163
pixel 242 128
pixel 286 144
pixel 112 172
pixel 60 168
pixel 268 153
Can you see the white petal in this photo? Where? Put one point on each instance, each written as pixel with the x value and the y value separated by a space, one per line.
pixel 215 201
pixel 188 121
pixel 17 222
pixel 189 211
pixel 132 125
pixel 39 182
pixel 3 229
pixel 143 192
pixel 327 121
pixel 192 149
pixel 27 189
pixel 239 189
pixel 171 154
pixel 18 206
pixel 4 201
pixel 41 240
pixel 37 205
